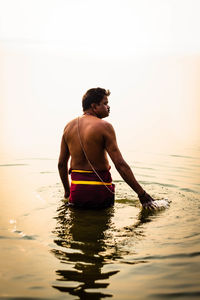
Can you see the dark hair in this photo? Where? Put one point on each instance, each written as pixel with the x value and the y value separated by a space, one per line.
pixel 94 95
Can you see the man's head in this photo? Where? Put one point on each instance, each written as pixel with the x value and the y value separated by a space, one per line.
pixel 94 95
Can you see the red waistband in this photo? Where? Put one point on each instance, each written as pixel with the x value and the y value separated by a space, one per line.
pixel 87 176
pixel 87 171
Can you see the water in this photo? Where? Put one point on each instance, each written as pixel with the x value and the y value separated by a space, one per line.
pixel 49 251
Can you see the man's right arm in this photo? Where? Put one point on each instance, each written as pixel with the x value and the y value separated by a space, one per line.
pixel 121 165
pixel 63 166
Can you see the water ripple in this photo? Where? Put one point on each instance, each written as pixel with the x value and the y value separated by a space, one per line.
pixel 177 255
pixel 13 165
pixel 182 295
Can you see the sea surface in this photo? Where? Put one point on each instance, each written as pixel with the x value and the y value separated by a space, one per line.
pixel 49 251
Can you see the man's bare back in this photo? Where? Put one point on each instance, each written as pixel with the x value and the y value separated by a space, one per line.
pixel 92 134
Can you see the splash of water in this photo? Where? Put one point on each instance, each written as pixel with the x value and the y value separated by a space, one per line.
pixel 157 204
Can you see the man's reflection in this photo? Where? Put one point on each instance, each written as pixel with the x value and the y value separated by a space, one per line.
pixel 87 241
pixel 83 236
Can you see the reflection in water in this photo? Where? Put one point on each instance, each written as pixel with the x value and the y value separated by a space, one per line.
pixel 82 236
pixel 87 240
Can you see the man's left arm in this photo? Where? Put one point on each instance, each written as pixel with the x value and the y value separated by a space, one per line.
pixel 63 166
pixel 123 168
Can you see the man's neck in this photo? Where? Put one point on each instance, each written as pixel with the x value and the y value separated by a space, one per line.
pixel 90 113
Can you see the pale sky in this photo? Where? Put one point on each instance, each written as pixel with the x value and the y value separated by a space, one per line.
pixel 106 27
pixel 147 52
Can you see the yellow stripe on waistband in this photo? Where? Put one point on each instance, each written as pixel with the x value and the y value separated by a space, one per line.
pixel 91 182
pixel 81 171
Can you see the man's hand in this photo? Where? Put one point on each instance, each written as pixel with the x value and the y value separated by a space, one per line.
pixel 147 201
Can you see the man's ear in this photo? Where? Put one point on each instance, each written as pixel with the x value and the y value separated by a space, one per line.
pixel 93 106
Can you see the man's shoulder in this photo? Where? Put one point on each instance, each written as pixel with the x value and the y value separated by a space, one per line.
pixel 70 124
pixel 101 124
pixel 103 128
pixel 98 124
pixel 107 125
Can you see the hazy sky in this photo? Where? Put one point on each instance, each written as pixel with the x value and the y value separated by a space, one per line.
pixel 146 52
pixel 106 27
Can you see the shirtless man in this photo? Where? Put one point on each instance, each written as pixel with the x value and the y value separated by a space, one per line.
pixel 87 140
